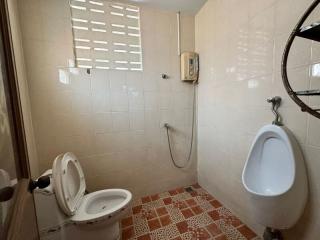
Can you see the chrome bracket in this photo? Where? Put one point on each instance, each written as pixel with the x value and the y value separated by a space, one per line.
pixel 276 102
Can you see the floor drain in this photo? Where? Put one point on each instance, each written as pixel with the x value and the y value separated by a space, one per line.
pixel 189 189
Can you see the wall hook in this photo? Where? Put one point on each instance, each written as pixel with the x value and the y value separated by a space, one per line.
pixel 276 102
pixel 164 76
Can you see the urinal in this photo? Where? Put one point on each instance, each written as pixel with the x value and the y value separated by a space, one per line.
pixel 275 177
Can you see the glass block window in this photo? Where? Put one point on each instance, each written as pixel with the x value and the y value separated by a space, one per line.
pixel 106 35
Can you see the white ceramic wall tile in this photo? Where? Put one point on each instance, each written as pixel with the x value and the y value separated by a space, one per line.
pixel 118 81
pixel 137 120
pixel 136 100
pixel 315 52
pixel 100 81
pixel 134 81
pixel 102 122
pixel 101 102
pixel 151 100
pixel 314 101
pixel 81 102
pixel 119 101
pixel 120 121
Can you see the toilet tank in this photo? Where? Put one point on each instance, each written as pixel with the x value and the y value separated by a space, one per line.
pixel 49 215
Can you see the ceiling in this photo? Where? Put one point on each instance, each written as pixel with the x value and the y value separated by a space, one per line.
pixel 189 6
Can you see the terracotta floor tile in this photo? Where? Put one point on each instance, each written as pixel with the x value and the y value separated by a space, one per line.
pixel 152 218
pixel 137 209
pixel 214 215
pixel 173 192
pixel 215 203
pixel 247 232
pixel 165 220
pixel 146 199
pixel 180 190
pixel 191 202
pixel 182 227
pixel 126 222
pixel 197 210
pixel 194 194
pixel 154 224
pixel 221 237
pixel 200 234
pixel 127 233
pixel 155 197
pixel 235 221
pixel 187 213
pixel 213 229
pixel 167 201
pixel 145 237
pixel 180 205
pixel 161 211
pixel 151 214
pixel 208 197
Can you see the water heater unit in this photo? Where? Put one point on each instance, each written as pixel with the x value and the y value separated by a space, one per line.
pixel 189 66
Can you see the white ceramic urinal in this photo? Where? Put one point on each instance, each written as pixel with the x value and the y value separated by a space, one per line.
pixel 275 177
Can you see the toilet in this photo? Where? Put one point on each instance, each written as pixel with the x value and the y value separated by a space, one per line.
pixel 64 211
pixel 275 178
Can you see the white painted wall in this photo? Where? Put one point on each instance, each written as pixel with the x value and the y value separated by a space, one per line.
pixel 241 43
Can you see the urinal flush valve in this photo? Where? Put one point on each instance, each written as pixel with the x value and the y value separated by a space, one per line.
pixel 276 102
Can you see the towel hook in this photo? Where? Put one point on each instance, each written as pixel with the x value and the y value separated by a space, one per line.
pixel 276 102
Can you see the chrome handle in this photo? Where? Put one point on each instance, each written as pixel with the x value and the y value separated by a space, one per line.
pixel 276 102
pixel 42 182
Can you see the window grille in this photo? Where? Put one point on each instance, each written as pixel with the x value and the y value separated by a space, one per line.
pixel 106 35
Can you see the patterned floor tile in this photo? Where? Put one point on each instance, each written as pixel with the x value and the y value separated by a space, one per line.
pixel 181 214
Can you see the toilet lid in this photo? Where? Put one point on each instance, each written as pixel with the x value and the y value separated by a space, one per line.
pixel 69 182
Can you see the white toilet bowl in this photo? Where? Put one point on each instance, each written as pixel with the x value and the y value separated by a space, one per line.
pixel 104 204
pixel 92 216
pixel 275 177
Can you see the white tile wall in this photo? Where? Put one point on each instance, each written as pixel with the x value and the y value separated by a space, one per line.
pixel 241 43
pixel 112 120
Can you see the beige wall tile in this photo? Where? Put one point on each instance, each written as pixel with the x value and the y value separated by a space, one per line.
pixel 110 119
pixel 240 69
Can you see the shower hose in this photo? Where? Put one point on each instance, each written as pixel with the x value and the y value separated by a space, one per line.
pixel 192 133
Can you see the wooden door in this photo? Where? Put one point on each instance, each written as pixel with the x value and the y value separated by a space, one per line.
pixel 17 210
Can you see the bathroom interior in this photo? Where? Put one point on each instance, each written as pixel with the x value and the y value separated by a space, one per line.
pixel 166 119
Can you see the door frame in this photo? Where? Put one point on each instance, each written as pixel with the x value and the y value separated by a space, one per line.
pixel 22 196
pixel 13 96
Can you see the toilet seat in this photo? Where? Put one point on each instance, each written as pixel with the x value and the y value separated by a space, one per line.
pixel 69 186
pixel 69 182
